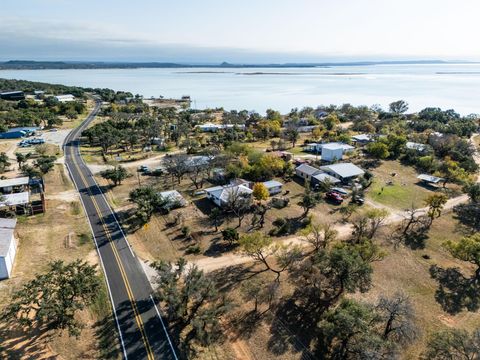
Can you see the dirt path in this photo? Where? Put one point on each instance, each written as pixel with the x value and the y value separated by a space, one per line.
pixel 152 162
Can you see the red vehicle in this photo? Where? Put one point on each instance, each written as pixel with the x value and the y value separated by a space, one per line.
pixel 334 197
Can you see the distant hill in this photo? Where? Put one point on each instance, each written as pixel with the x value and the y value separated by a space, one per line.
pixel 39 65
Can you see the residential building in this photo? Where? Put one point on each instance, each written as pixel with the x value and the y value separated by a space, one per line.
pixel 12 95
pixel 343 171
pixel 306 171
pixel 222 195
pixel 65 98
pixel 22 196
pixel 334 151
pixel 416 146
pixel 8 247
pixel 210 127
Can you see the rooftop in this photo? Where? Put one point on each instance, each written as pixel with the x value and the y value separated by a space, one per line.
pixel 415 146
pixel 14 182
pixel 362 137
pixel 336 146
pixel 14 199
pixel 325 177
pixel 173 196
pixel 272 183
pixel 307 169
pixel 7 226
pixel 344 170
pixel 224 192
pixel 429 178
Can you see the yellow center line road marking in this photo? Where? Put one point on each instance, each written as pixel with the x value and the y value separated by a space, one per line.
pixel 138 317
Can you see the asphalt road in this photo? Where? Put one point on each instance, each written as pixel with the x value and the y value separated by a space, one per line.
pixel 141 329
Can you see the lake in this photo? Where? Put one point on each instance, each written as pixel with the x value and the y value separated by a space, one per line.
pixel 454 86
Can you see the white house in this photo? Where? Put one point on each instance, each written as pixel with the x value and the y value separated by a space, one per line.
pixel 210 127
pixel 273 186
pixel 343 171
pixel 334 151
pixel 416 146
pixel 221 195
pixel 65 98
pixel 8 247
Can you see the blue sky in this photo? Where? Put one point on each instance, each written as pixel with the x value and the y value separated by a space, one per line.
pixel 239 31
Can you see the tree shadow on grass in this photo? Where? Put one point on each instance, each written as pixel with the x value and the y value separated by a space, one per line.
pixel 455 292
pixel 228 278
pixel 293 328
pixel 16 342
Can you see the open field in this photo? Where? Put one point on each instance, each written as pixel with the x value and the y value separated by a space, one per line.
pixel 61 233
pixel 404 191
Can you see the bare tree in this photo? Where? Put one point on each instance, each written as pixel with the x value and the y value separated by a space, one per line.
pixel 177 166
pixel 399 318
pixel 238 202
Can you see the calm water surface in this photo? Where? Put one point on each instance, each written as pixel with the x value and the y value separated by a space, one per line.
pixel 454 86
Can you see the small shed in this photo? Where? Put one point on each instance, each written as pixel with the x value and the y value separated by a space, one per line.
pixel 173 198
pixel 8 247
pixel 430 179
pixel 273 186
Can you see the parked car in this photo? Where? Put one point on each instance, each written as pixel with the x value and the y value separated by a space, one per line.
pixel 334 197
pixel 341 191
pixel 143 168
pixel 357 199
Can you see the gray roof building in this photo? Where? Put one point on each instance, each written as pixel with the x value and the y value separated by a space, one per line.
pixel 343 171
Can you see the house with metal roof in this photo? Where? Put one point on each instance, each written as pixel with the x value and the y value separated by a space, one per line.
pixel 8 247
pixel 343 171
pixel 334 151
pixel 306 171
pixel 222 195
pixel 362 139
pixel 416 146
pixel 65 98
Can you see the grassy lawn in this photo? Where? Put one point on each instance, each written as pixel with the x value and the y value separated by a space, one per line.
pixel 61 233
pixel 404 191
